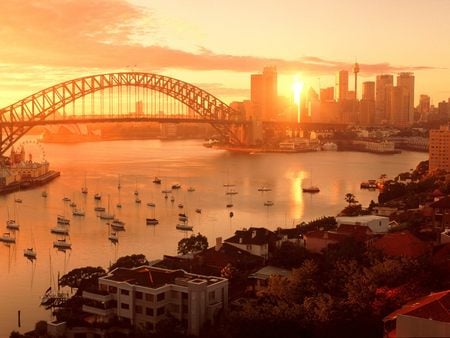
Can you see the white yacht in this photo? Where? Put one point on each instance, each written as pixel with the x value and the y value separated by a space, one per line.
pixel 62 244
pixel 184 226
pixel 6 238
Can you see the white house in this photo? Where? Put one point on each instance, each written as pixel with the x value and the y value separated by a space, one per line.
pixel 378 224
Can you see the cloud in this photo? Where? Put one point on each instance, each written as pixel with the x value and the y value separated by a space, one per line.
pixel 102 34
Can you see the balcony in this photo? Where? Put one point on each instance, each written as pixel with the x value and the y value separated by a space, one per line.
pixel 99 311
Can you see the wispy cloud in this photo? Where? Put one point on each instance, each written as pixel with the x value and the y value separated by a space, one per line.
pixel 102 34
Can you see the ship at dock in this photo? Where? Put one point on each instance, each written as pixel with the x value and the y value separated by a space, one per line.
pixel 19 173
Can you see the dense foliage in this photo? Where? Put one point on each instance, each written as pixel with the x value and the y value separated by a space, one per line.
pixel 131 261
pixel 194 243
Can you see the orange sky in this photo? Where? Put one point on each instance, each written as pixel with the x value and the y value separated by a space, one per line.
pixel 218 44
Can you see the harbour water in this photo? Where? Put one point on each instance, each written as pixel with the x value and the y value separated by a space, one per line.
pixel 186 162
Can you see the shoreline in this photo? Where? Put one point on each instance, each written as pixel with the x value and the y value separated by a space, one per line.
pixel 24 185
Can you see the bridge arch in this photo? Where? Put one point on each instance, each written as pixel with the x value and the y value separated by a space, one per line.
pixel 18 118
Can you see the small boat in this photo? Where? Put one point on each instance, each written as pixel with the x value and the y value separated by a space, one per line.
pixel 231 192
pixel 268 203
pixel 66 199
pixel 59 230
pixel 229 205
pixel 166 191
pixel 62 220
pixel 12 224
pixel 180 205
pixel 185 227
pixel 137 200
pixel 106 216
pixel 172 199
pixel 151 221
pixel 182 217
pixel 18 200
pixel 228 185
pixel 44 194
pixel 157 180
pixel 72 205
pixel 191 189
pixel 6 238
pixel 119 205
pixel 136 193
pixel 165 196
pixel 78 212
pixel 84 190
pixel 117 224
pixel 262 189
pixel 151 204
pixel 312 189
pixel 97 197
pixel 62 244
pixel 99 209
pixel 176 186
pixel 113 237
pixel 198 211
pixel 231 214
pixel 30 253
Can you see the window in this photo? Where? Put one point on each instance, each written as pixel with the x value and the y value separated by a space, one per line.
pixel 138 309
pixel 138 295
pixel 249 246
pixel 125 306
pixel 124 292
pixel 112 289
pixel 149 297
pixel 160 296
pixel 160 311
pixel 149 311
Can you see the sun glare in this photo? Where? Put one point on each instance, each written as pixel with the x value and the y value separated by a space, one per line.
pixel 297 89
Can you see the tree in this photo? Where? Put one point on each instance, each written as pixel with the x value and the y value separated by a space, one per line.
pixel 129 262
pixel 350 198
pixel 81 276
pixel 289 255
pixel 192 244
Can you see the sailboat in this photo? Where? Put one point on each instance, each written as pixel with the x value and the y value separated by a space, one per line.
pixel 7 238
pixel 30 253
pixel 119 203
pixel 11 223
pixel 311 189
pixel 84 188
pixel 44 193
pixel 153 220
pixel 107 215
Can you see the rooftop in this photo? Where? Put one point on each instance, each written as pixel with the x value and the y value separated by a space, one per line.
pixel 362 218
pixel 153 277
pixel 258 236
pixel 401 244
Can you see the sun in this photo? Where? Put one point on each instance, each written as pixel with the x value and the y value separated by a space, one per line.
pixel 297 88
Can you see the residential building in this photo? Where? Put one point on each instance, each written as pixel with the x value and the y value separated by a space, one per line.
pixel 402 244
pixel 441 213
pixel 377 224
pixel 257 241
pixel 439 153
pixel 428 316
pixel 260 278
pixel 145 295
pixel 317 241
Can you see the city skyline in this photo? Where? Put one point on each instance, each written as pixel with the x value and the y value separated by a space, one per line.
pixel 217 46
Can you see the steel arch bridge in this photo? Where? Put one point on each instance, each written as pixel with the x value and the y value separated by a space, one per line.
pixel 38 108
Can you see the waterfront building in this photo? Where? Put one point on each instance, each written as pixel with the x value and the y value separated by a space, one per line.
pixel 382 102
pixel 342 85
pixel 439 153
pixel 264 94
pixel 377 224
pixel 146 295
pixel 406 81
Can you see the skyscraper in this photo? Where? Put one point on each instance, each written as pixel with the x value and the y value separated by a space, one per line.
pixel 342 85
pixel 424 107
pixel 264 94
pixel 406 81
pixel 368 90
pixel 367 103
pixel 382 104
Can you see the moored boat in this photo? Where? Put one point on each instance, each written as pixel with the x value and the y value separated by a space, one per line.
pixel 151 221
pixel 30 253
pixel 12 224
pixel 62 244
pixel 184 226
pixel 7 238
pixel 311 189
pixel 268 203
pixel 62 220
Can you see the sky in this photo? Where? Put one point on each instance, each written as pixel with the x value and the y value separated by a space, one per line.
pixel 216 45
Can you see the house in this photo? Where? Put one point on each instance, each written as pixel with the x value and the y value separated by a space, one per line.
pixel 378 224
pixel 260 279
pixel 145 295
pixel 316 241
pixel 428 316
pixel 361 233
pixel 441 213
pixel 293 235
pixel 257 241
pixel 402 244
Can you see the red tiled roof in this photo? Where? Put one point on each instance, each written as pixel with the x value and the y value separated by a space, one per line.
pixel 359 232
pixel 435 306
pixel 401 244
pixel 320 234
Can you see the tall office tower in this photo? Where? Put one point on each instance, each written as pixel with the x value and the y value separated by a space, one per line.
pixel 342 85
pixel 424 107
pixel 406 81
pixel 399 113
pixel 368 90
pixel 367 103
pixel 439 151
pixel 382 104
pixel 264 94
pixel 326 94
